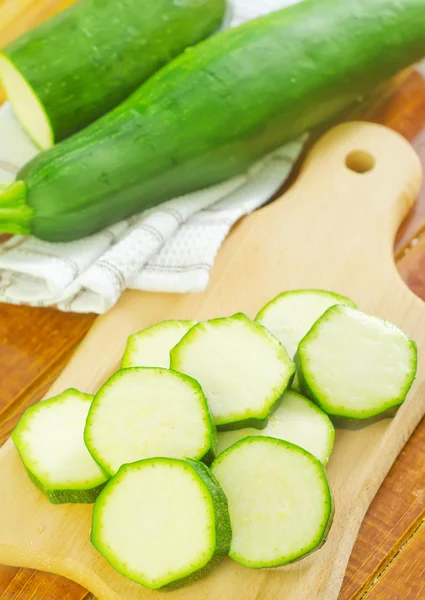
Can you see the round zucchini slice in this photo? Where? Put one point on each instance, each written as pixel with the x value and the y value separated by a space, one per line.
pixel 296 420
pixel 162 522
pixel 356 366
pixel 50 441
pixel 279 501
pixel 145 412
pixel 292 314
pixel 242 368
pixel 151 347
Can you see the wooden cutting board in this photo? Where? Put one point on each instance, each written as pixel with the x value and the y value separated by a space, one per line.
pixel 334 229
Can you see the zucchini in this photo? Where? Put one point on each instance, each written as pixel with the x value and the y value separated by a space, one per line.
pixel 163 523
pixel 145 412
pixel 151 347
pixel 241 367
pixel 356 366
pixel 83 62
pixel 212 112
pixel 50 441
pixel 292 314
pixel 296 420
pixel 279 499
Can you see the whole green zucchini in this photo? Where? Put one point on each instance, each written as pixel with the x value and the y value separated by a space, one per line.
pixel 83 62
pixel 213 111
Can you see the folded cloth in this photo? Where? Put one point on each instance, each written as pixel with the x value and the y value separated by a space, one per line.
pixel 170 248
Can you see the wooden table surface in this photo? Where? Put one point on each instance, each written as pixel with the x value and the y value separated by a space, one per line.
pixel 387 561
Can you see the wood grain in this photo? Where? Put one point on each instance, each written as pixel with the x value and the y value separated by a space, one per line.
pixel 405 572
pixel 31 342
pixel 24 584
pixel 393 516
pixel 401 106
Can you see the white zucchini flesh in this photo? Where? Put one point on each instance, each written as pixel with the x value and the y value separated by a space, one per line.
pixel 162 522
pixel 241 367
pixel 279 501
pixel 151 347
pixel 296 420
pixel 354 365
pixel 26 104
pixel 291 315
pixel 50 440
pixel 145 412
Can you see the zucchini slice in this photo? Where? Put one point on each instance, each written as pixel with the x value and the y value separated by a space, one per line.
pixel 292 314
pixel 145 412
pixel 296 420
pixel 162 522
pixel 356 366
pixel 50 441
pixel 151 347
pixel 279 499
pixel 241 367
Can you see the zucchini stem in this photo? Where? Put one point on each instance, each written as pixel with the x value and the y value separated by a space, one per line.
pixel 15 214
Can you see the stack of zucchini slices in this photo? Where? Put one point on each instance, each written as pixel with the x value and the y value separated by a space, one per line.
pixel 212 440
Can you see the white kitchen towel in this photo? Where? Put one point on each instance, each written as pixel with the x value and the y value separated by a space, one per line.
pixel 170 248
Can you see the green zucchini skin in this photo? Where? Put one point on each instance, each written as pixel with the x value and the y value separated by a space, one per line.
pixel 347 417
pixel 327 522
pixel 222 534
pixel 223 527
pixel 73 492
pixel 219 107
pixel 67 496
pixel 341 421
pixel 86 60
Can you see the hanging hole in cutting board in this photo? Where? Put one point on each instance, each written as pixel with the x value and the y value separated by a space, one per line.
pixel 360 161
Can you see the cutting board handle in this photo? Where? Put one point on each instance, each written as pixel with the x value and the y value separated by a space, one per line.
pixel 365 165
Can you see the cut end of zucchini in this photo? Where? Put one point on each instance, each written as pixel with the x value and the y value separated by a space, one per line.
pixel 279 501
pixel 161 521
pixel 296 420
pixel 50 441
pixel 15 213
pixel 145 412
pixel 26 105
pixel 291 315
pixel 151 347
pixel 354 365
pixel 241 367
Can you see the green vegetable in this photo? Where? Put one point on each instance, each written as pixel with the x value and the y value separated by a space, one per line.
pixel 213 111
pixel 162 522
pixel 356 366
pixel 279 499
pixel 151 347
pixel 241 367
pixel 145 412
pixel 291 315
pixel 50 440
pixel 296 420
pixel 80 64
